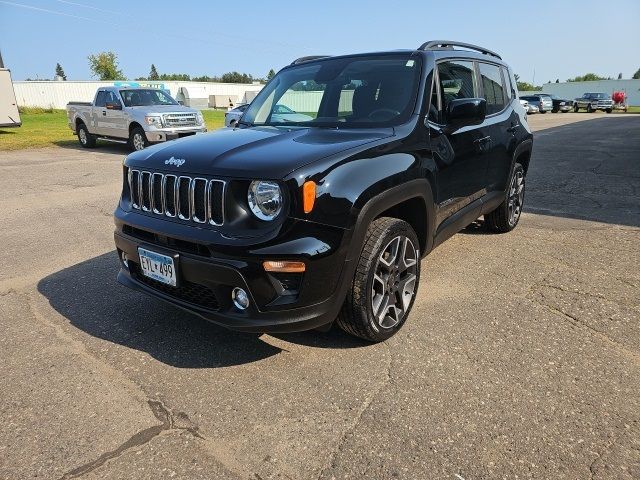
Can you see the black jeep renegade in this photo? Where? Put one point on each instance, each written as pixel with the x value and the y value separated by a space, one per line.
pixel 340 176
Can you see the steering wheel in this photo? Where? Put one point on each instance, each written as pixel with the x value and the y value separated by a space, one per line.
pixel 377 111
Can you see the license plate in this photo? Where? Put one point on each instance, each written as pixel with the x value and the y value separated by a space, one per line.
pixel 157 267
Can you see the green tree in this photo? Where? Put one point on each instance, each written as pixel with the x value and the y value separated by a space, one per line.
pixel 153 73
pixel 236 77
pixel 636 75
pixel 183 77
pixel 60 72
pixel 587 77
pixel 271 74
pixel 104 65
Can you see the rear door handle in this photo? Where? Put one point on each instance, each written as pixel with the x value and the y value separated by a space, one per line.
pixel 483 140
pixel 513 128
pixel 104 112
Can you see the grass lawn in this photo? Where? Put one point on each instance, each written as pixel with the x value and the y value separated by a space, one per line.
pixel 47 128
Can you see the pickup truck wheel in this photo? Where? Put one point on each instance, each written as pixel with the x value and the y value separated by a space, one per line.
pixel 138 139
pixel 575 109
pixel 385 283
pixel 589 109
pixel 608 110
pixel 506 216
pixel 85 138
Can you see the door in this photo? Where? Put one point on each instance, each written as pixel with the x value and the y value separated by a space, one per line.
pixel 114 118
pixel 500 125
pixel 9 115
pixel 99 114
pixel 459 155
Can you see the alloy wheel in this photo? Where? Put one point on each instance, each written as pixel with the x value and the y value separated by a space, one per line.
pixel 516 197
pixel 394 282
pixel 83 136
pixel 138 141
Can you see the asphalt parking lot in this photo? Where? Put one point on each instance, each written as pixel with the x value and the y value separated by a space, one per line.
pixel 521 358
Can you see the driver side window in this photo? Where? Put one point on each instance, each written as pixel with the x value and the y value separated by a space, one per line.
pixel 457 80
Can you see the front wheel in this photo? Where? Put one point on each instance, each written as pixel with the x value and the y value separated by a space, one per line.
pixel 506 216
pixel 138 139
pixel 589 109
pixel 608 110
pixel 385 283
pixel 575 108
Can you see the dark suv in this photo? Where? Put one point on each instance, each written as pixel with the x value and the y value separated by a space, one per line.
pixel 322 210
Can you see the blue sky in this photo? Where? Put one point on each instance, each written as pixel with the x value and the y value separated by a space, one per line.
pixel 213 37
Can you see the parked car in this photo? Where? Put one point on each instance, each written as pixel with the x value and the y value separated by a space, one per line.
pixel 542 102
pixel 528 108
pixel 139 116
pixel 593 102
pixel 560 104
pixel 292 221
pixel 232 116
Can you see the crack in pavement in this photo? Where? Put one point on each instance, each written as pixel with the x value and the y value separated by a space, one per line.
pixel 363 408
pixel 170 421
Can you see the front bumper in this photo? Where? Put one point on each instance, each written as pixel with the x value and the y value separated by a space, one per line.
pixel 163 135
pixel 208 274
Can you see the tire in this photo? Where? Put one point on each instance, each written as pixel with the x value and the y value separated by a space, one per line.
pixel 555 111
pixel 589 109
pixel 507 215
pixel 138 139
pixel 377 283
pixel 543 111
pixel 575 109
pixel 608 110
pixel 85 138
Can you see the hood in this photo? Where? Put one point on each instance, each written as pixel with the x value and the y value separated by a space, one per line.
pixel 164 108
pixel 258 152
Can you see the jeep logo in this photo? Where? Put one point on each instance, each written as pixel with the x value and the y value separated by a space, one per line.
pixel 175 161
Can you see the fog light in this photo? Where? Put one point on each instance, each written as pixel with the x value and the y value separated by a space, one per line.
pixel 240 298
pixel 125 259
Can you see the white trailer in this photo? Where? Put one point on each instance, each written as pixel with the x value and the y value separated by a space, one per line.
pixel 9 115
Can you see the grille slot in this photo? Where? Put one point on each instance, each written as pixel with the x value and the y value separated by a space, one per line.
pixel 197 200
pixel 145 191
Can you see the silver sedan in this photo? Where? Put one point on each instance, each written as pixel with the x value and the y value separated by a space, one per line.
pixel 232 116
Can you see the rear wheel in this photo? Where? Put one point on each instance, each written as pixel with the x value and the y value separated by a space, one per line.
pixel 608 110
pixel 589 109
pixel 138 139
pixel 575 108
pixel 385 283
pixel 506 216
pixel 85 138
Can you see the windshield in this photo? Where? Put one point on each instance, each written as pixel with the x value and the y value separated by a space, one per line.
pixel 146 97
pixel 371 91
pixel 598 95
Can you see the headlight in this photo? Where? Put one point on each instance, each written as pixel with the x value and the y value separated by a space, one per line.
pixel 265 199
pixel 155 120
pixel 199 118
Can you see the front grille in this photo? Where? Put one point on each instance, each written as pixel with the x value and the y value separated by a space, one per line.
pixel 189 292
pixel 197 200
pixel 180 120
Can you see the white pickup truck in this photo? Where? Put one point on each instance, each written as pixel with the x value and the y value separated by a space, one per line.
pixel 135 115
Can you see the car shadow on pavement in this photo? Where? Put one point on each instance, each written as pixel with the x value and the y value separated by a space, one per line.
pixel 89 297
pixel 101 147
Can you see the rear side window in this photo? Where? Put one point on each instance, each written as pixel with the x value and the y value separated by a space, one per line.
pixel 101 99
pixel 492 87
pixel 457 79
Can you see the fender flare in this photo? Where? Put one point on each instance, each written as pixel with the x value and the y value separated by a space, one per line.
pixel 417 188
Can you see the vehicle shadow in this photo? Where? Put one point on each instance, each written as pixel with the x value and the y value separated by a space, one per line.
pixel 101 147
pixel 89 297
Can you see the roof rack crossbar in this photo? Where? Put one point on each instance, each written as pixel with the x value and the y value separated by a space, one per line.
pixel 448 45
pixel 308 59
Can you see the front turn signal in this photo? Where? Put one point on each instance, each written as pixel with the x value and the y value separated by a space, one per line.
pixel 281 266
pixel 308 195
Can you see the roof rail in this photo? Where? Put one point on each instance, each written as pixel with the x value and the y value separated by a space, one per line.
pixel 308 59
pixel 448 45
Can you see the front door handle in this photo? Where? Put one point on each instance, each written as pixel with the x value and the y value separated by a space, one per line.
pixel 104 113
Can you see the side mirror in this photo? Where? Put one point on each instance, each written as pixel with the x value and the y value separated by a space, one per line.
pixel 113 106
pixel 465 112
